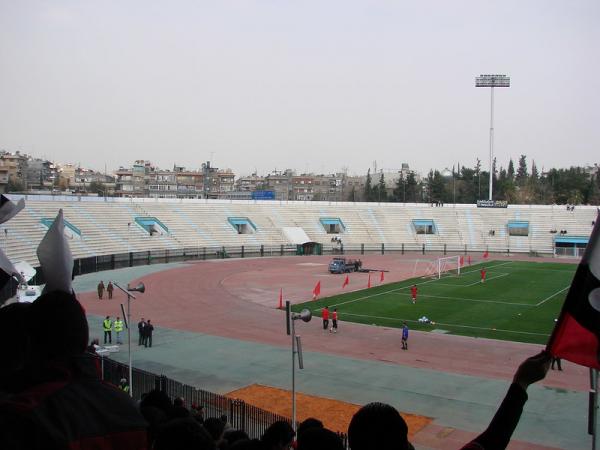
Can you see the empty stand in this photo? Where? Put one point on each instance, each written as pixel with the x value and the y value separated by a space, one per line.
pixel 112 227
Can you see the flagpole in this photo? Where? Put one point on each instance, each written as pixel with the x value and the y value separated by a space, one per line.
pixel 593 408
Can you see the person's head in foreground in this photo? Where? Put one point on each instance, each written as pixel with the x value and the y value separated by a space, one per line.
pixel 319 439
pixel 278 436
pixel 378 426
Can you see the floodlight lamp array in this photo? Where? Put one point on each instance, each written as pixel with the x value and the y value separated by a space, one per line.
pixel 488 80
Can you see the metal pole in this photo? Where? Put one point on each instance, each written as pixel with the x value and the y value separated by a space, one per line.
pixel 453 188
pixel 593 408
pixel 129 343
pixel 491 140
pixel 293 374
pixel 129 297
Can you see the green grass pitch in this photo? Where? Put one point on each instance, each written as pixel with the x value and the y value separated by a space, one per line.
pixel 518 302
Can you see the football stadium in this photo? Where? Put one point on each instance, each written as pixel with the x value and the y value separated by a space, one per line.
pixel 217 276
pixel 308 225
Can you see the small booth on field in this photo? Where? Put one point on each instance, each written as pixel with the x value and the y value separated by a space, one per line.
pixel 309 248
pixel 304 244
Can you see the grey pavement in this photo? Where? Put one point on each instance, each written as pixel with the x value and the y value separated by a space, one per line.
pixel 552 417
pixel 89 281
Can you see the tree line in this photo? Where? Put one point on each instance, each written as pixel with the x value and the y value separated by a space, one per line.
pixel 523 185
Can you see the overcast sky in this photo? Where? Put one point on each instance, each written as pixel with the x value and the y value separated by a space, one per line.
pixel 310 85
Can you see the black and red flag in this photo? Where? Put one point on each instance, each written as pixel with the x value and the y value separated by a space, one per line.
pixel 576 336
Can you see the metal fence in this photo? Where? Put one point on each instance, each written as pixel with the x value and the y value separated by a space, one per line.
pixel 240 415
pixel 570 252
pixel 132 259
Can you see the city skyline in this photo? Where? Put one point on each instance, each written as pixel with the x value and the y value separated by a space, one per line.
pixel 256 86
pixel 127 166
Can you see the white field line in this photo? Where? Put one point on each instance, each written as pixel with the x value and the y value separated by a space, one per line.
pixel 545 270
pixel 474 283
pixel 405 287
pixel 553 295
pixel 449 325
pixel 486 280
pixel 475 300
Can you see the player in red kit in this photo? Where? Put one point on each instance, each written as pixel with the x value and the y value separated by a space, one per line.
pixel 483 272
pixel 334 319
pixel 325 316
pixel 413 293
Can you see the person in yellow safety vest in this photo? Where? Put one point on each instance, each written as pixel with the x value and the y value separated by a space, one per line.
pixel 123 385
pixel 107 327
pixel 118 329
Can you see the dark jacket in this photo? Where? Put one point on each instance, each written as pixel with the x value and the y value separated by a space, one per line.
pixel 71 408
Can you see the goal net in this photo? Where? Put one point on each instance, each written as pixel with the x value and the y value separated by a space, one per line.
pixel 443 267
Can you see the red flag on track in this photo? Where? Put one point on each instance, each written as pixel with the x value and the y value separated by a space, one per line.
pixel 486 254
pixel 317 290
pixel 346 281
pixel 280 298
pixel 369 282
pixel 576 336
pixel 381 278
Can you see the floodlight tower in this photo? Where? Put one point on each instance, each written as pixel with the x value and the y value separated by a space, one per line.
pixel 492 81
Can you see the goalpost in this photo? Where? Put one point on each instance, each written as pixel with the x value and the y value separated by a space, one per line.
pixel 446 266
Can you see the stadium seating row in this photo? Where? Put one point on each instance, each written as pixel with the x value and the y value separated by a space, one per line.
pixel 109 227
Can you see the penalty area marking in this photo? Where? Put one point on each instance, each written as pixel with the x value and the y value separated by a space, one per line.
pixel 476 300
pixel 487 279
pixel 403 287
pixel 553 295
pixel 502 274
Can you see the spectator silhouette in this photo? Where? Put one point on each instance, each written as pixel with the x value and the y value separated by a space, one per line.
pixel 233 436
pixel 308 424
pixel 94 344
pixel 15 345
pixel 253 444
pixel 183 434
pixel 216 428
pixel 157 409
pixel 378 426
pixel 319 439
pixel 179 410
pixel 278 436
pixel 64 404
pixel 197 413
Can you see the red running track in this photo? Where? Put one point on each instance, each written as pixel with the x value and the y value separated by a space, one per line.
pixel 238 299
